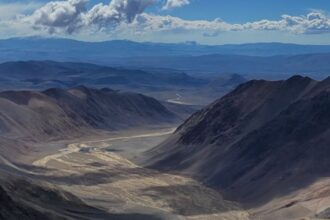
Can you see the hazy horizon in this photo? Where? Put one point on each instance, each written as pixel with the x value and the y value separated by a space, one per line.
pixel 159 42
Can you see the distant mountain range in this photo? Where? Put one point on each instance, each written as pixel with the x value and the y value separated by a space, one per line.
pixel 269 67
pixel 160 83
pixel 258 58
pixel 264 140
pixel 51 48
pixel 46 74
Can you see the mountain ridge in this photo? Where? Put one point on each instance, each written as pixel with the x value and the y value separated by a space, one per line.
pixel 181 48
pixel 261 135
pixel 54 112
pixel 193 58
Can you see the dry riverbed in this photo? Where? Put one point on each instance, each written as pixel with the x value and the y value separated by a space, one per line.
pixel 105 175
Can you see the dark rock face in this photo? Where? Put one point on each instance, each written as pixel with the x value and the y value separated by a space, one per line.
pixel 261 140
pixel 10 210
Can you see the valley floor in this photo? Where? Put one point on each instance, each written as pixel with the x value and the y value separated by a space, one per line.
pixel 105 174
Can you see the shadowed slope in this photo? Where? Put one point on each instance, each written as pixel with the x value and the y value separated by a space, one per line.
pixel 61 113
pixel 25 200
pixel 263 135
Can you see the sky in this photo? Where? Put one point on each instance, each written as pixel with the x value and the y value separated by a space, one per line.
pixel 202 21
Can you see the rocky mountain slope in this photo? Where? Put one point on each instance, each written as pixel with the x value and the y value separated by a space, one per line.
pixel 58 113
pixel 264 135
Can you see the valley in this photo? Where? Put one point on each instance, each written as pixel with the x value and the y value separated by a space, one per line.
pixel 107 154
pixel 84 148
pixel 136 131
pixel 164 110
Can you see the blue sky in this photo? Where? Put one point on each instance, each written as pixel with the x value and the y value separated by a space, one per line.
pixel 203 21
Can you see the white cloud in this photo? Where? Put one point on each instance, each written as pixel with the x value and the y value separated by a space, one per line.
pixel 120 17
pixel 175 4
pixel 116 12
pixel 59 15
pixel 71 16
pixel 148 22
pixel 315 22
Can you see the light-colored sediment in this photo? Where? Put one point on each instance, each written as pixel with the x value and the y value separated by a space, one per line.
pixel 106 179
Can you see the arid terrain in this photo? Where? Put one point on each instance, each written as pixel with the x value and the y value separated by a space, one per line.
pixel 83 149
pixel 105 174
pixel 105 154
pixel 164 110
pixel 87 153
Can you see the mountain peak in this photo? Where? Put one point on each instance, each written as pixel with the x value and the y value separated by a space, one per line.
pixel 299 78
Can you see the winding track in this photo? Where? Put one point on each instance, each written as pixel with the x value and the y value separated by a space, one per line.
pixel 130 188
pixel 177 100
pixel 75 147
